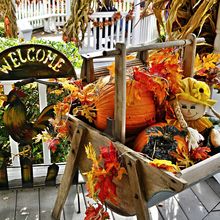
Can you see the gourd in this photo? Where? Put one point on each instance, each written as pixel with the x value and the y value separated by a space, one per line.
pixel 158 140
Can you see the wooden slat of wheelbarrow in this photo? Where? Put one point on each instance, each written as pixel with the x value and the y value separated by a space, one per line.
pixel 201 170
pixel 70 169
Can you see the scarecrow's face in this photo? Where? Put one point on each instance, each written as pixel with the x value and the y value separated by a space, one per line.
pixel 191 111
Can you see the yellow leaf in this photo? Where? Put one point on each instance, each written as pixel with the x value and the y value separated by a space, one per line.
pixel 111 68
pixel 198 63
pixel 91 154
pixel 165 164
pixel 72 88
pixel 57 92
pixel 90 184
pixel 44 136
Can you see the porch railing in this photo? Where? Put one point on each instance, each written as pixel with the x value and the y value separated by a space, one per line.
pixel 135 31
pixel 102 33
pixel 37 11
pixel 100 36
pixel 124 5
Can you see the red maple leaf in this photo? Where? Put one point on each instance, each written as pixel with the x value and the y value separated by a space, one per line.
pixel 109 154
pixel 53 144
pixel 157 68
pixel 97 213
pixel 200 153
pixel 106 170
pixel 106 189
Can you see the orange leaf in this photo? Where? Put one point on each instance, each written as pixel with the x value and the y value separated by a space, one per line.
pixel 182 156
pixel 121 171
pixel 200 153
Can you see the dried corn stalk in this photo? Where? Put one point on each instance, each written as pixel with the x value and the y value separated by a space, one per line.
pixel 75 27
pixel 198 19
pixel 177 18
pixel 7 12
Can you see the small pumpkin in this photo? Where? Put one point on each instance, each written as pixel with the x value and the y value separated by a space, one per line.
pixel 140 107
pixel 158 140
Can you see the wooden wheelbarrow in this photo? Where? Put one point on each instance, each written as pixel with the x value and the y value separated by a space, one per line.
pixel 144 186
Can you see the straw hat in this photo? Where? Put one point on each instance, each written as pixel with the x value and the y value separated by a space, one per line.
pixel 195 91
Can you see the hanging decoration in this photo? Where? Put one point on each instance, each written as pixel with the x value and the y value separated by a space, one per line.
pixel 115 17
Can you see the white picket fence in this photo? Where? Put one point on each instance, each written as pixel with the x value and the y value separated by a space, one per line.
pixel 124 5
pixel 39 12
pixel 51 14
pixel 104 38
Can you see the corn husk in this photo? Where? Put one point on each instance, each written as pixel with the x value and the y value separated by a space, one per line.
pixel 179 18
pixel 7 8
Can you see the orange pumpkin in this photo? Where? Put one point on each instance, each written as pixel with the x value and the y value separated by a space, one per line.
pixel 140 107
pixel 158 140
pixel 104 106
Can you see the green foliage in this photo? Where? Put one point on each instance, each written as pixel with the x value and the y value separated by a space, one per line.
pixel 2 32
pixel 61 152
pixel 68 49
pixel 6 43
pixel 31 100
pixel 4 140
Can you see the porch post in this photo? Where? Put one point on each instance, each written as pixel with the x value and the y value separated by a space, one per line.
pixel 217 38
pixel 136 23
pixel 45 7
pixel 42 104
pixel 68 8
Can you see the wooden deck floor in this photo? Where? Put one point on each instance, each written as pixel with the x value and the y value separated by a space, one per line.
pixel 202 201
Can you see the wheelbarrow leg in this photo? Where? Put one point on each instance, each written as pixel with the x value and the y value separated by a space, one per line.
pixel 140 202
pixel 69 171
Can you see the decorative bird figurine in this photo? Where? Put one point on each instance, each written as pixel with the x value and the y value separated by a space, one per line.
pixel 16 120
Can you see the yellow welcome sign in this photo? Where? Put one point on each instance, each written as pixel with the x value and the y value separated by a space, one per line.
pixel 34 61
